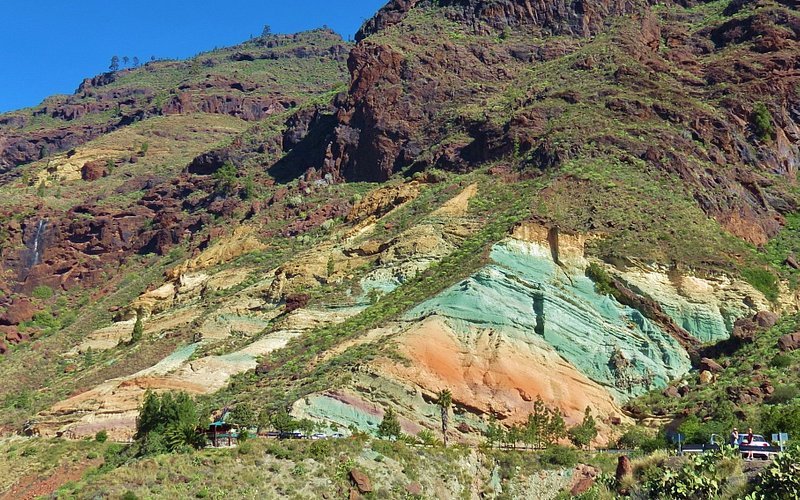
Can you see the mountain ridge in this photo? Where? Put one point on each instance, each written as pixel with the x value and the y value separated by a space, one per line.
pixel 511 200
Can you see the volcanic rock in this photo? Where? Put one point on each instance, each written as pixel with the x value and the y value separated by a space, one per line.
pixel 710 365
pixel 19 311
pixel 789 342
pixel 765 319
pixel 93 170
pixel 361 480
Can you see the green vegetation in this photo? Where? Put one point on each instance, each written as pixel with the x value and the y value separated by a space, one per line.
pixel 584 433
pixel 718 407
pixel 444 400
pixel 762 122
pixel 390 425
pixel 544 427
pixel 603 283
pixel 781 478
pixel 763 281
pixel 708 475
pixel 42 292
pixel 226 178
pixel 169 422
pixel 138 329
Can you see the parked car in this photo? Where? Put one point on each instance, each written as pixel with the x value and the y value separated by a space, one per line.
pixel 758 444
pixel 319 435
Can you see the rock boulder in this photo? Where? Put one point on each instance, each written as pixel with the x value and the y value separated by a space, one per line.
pixel 93 170
pixel 789 342
pixel 361 480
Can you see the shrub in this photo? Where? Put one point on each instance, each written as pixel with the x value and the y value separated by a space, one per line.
pixel 780 479
pixel 428 438
pixel 129 495
pixel 42 292
pixel 559 456
pixel 390 425
pixel 168 422
pixel 762 122
pixel 702 476
pixel 781 361
pixel 582 435
pixel 101 436
pixel 283 422
pixel 320 449
pixel 763 281
pixel 244 415
pixel 781 418
pixel 226 178
pixel 784 394
pixel 634 438
pixel 138 330
pixel 603 283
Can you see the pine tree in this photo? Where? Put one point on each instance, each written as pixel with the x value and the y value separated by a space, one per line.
pixel 390 425
pixel 583 434
pixel 283 422
pixel 138 329
pixel 114 66
pixel 243 415
pixel 125 60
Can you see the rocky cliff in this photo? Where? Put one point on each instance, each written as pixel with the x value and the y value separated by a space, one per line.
pixel 573 201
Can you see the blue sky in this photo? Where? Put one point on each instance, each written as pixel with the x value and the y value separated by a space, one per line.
pixel 48 46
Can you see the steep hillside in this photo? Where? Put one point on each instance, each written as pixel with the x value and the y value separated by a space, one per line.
pixel 510 200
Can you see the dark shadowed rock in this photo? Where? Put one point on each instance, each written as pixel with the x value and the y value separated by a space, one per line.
pixel 296 301
pixel 19 311
pixel 671 392
pixel 744 330
pixel 710 365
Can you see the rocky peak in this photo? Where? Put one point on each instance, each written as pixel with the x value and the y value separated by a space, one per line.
pixel 560 17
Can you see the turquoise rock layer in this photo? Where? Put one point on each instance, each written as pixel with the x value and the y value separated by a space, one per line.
pixel 524 293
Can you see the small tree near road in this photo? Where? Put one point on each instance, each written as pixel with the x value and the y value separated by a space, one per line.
pixel 283 422
pixel 583 434
pixel 390 425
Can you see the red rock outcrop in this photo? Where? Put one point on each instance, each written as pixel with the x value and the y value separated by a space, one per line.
pixel 93 170
pixel 389 115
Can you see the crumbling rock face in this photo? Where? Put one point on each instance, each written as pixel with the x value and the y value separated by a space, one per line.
pixel 79 246
pixel 563 17
pixel 387 122
pixel 246 108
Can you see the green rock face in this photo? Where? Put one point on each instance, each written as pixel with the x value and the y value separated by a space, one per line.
pixel 525 295
pixel 709 313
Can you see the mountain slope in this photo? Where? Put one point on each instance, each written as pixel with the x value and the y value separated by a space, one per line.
pixel 510 200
